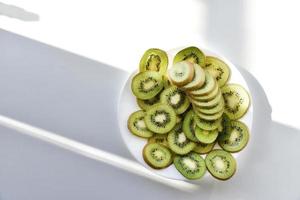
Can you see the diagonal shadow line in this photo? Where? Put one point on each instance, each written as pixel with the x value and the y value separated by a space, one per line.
pixel 17 13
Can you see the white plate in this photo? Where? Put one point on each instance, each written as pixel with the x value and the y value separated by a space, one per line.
pixel 128 105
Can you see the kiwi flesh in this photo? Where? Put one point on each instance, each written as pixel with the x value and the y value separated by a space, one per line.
pixel 208 86
pixel 237 101
pixel 218 69
pixel 146 85
pixel 191 54
pixel 202 148
pixel 198 80
pixel 154 60
pixel 208 103
pixel 236 139
pixel 208 125
pixel 137 126
pixel 157 156
pixel 217 108
pixel 189 126
pixel 181 73
pixel 225 124
pixel 175 98
pixel 191 166
pixel 220 164
pixel 159 139
pixel 209 117
pixel 145 104
pixel 178 142
pixel 206 137
pixel 207 97
pixel 160 118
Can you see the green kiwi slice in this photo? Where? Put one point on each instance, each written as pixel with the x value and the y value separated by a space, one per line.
pixel 191 166
pixel 159 139
pixel 208 86
pixel 204 148
pixel 237 101
pixel 220 164
pixel 166 82
pixel 157 156
pixel 191 54
pixel 218 69
pixel 145 104
pixel 208 103
pixel 181 73
pixel 175 98
pixel 146 85
pixel 137 126
pixel 225 124
pixel 207 125
pixel 189 125
pixel 198 80
pixel 160 118
pixel 236 139
pixel 205 136
pixel 211 117
pixel 178 142
pixel 207 97
pixel 213 110
pixel 154 60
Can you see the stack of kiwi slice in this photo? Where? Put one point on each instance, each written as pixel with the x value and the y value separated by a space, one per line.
pixel 189 113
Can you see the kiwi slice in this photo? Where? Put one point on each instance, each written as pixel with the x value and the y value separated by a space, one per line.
pixel 175 98
pixel 220 164
pixel 198 80
pixel 137 126
pixel 207 125
pixel 154 60
pixel 191 166
pixel 178 142
pixel 204 148
pixel 191 54
pixel 225 124
pixel 189 125
pixel 218 69
pixel 181 73
pixel 236 139
pixel 160 118
pixel 166 82
pixel 208 103
pixel 205 136
pixel 237 101
pixel 145 104
pixel 211 117
pixel 217 108
pixel 159 139
pixel 146 85
pixel 157 156
pixel 207 97
pixel 208 86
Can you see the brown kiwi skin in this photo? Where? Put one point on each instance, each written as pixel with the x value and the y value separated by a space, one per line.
pixel 189 79
pixel 152 166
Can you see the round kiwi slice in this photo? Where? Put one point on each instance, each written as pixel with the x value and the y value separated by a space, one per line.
pixel 206 137
pixel 191 166
pixel 237 101
pixel 159 139
pixel 207 97
pixel 198 80
pixel 154 60
pixel 189 125
pixel 146 85
pixel 160 118
pixel 157 156
pixel 181 73
pixel 191 54
pixel 236 139
pixel 137 126
pixel 208 86
pixel 225 124
pixel 211 117
pixel 220 164
pixel 178 142
pixel 145 104
pixel 204 148
pixel 207 125
pixel 218 69
pixel 175 98
pixel 217 108
pixel 208 103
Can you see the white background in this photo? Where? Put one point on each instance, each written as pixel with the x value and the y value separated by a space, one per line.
pixel 262 36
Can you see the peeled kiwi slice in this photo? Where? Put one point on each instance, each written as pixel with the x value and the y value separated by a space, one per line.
pixel 175 98
pixel 236 139
pixel 237 101
pixel 146 85
pixel 208 86
pixel 213 110
pixel 189 126
pixel 154 60
pixel 160 118
pixel 204 148
pixel 207 125
pixel 157 156
pixel 178 142
pixel 207 97
pixel 198 80
pixel 210 117
pixel 206 137
pixel 209 103
pixel 191 54
pixel 218 69
pixel 145 104
pixel 159 139
pixel 181 73
pixel 191 166
pixel 137 126
pixel 220 164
